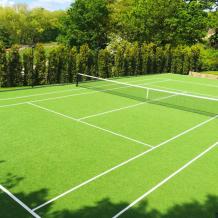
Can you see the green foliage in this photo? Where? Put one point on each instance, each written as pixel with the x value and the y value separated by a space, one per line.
pixel 86 61
pixel 5 36
pixel 23 26
pixel 28 67
pixel 126 59
pixel 52 66
pixel 39 76
pixel 62 76
pixel 209 59
pixel 164 21
pixel 118 62
pixel 71 66
pixel 159 58
pixel 86 22
pixel 3 66
pixel 214 39
pixel 14 71
pixel 167 58
pixel 131 59
pixel 196 58
pixel 104 63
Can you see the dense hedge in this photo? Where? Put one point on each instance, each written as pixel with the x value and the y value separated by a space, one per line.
pixel 62 64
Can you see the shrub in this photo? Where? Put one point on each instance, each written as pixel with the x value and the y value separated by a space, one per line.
pixel 14 70
pixel 3 66
pixel 40 77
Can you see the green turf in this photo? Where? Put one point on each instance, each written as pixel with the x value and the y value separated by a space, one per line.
pixel 45 152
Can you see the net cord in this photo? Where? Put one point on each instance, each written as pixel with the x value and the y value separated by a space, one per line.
pixel 150 89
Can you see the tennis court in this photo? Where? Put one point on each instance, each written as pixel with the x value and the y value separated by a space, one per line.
pixel 144 146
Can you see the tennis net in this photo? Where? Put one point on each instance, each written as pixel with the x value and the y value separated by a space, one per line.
pixel 179 100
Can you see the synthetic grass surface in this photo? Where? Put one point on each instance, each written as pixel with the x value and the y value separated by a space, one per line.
pixel 47 151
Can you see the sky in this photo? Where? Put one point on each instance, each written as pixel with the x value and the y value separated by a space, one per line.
pixel 48 4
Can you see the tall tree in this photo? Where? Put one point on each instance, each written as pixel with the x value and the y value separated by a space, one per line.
pixel 104 63
pixel 40 77
pixel 86 22
pixel 164 21
pixel 14 67
pixel 3 66
pixel 28 67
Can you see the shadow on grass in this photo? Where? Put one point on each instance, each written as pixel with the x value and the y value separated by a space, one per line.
pixel 103 209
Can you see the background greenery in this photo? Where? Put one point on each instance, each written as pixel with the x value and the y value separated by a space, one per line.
pixel 109 38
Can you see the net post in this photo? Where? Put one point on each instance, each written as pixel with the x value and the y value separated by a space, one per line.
pixel 147 94
pixel 77 80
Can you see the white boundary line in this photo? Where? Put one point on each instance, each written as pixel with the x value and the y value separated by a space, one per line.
pixel 91 125
pixel 46 93
pixel 19 202
pixel 65 96
pixel 124 108
pixel 153 89
pixel 165 180
pixel 123 164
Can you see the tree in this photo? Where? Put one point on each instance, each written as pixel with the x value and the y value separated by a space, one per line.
pixel 28 67
pixel 52 66
pixel 85 61
pixel 3 66
pixel 71 66
pixel 40 77
pixel 14 67
pixel 159 60
pixel 195 58
pixel 118 61
pixel 86 22
pixel 61 76
pixel 5 36
pixel 104 63
pixel 144 55
pixel 164 21
pixel 23 26
pixel 168 58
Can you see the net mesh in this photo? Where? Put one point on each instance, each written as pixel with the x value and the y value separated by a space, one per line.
pixel 179 100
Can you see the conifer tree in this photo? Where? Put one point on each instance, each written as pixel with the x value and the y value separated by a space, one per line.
pixel 3 66
pixel 186 61
pixel 71 65
pixel 118 62
pixel 62 74
pixel 144 56
pixel 195 58
pixel 40 74
pixel 52 67
pixel 151 58
pixel 84 60
pixel 104 64
pixel 14 67
pixel 167 58
pixel 159 60
pixel 126 61
pixel 28 67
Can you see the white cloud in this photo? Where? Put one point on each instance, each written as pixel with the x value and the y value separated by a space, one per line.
pixel 6 3
pixel 51 4
pixel 48 4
